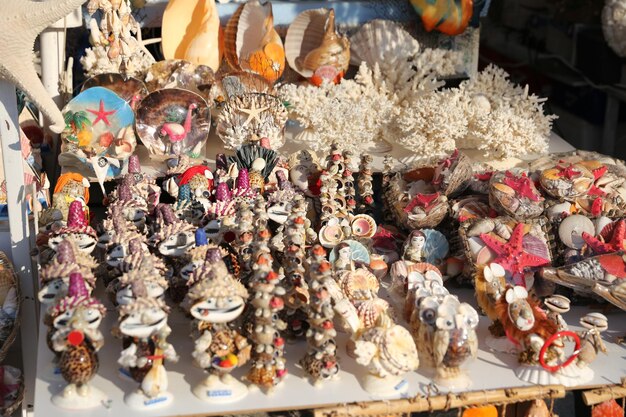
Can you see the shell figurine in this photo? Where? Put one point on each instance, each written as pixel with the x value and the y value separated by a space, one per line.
pixel 314 49
pixel 388 353
pixel 252 44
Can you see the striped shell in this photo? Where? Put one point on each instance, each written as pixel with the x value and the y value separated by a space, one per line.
pixel 360 284
pixel 369 311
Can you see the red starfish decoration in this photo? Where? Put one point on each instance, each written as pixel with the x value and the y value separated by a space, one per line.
pixel 422 200
pixel 521 185
pixel 511 254
pixel 600 247
pixel 102 114
pixel 568 172
pixel 596 191
pixel 599 172
pixel 486 176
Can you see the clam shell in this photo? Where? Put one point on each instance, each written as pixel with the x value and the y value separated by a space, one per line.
pixel 331 235
pixel 480 227
pixel 536 246
pixel 363 226
pixel 379 40
pixel 314 30
pixel 360 284
pixel 572 228
pixel 485 256
pixel 369 311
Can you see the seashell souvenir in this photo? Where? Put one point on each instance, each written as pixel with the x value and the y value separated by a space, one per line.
pixel 572 228
pixel 314 49
pixel 388 354
pixel 363 226
pixel 378 40
pixel 515 195
pixel 252 44
pixel 611 238
pixel 423 210
pixel 517 247
pixel 567 181
pixel 178 73
pixel 173 122
pixel 214 303
pixel 13 381
pixel 449 17
pixel 76 338
pixel 490 285
pixel 369 311
pixel 359 284
pixel 143 327
pixel 378 266
pixel 250 117
pixel 452 174
pixel 235 84
pixel 604 275
pixel 191 31
pixel 98 133
pixel 353 251
pixel 447 338
pixel 470 208
pixel 77 229
pixel 130 89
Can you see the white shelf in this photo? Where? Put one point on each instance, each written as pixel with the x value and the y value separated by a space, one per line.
pixel 488 372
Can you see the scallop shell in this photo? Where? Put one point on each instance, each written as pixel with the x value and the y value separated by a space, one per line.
pixel 379 40
pixel 398 351
pixel 360 284
pixel 331 235
pixel 369 311
pixel 252 44
pixel 363 226
pixel 191 31
pixel 536 246
pixel 312 42
pixel 572 228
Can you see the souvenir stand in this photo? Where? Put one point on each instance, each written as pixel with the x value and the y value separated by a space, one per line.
pixel 310 277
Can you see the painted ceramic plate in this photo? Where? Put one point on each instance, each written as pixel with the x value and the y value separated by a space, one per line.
pixel 99 123
pixel 131 89
pixel 173 122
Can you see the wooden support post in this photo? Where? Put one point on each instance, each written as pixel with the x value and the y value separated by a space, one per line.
pixel 442 402
pixel 600 395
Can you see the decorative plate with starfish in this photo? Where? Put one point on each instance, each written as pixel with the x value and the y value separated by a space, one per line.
pixel 98 122
pixel 518 247
pixel 173 122
pixel 514 194
pixel 250 117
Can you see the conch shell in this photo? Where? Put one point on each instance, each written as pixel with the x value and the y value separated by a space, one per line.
pixel 192 32
pixel 314 49
pixel 252 44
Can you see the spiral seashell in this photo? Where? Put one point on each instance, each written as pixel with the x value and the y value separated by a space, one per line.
pixel 312 43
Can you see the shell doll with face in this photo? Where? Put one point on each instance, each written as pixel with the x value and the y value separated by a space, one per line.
pixel 214 301
pixel 77 339
pixel 77 229
pixel 144 330
pixel 69 187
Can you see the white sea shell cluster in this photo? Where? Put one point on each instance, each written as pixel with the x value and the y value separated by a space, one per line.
pixel 614 25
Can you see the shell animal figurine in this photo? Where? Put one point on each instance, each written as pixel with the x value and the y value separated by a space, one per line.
pixel 250 117
pixel 70 186
pixel 77 230
pixel 515 195
pixel 77 340
pixel 604 275
pixel 214 301
pixel 388 353
pixel 191 31
pixel 262 52
pixel 591 342
pixel 567 181
pixel 174 122
pixel 447 338
pixel 449 17
pixel 314 49
pixel 144 329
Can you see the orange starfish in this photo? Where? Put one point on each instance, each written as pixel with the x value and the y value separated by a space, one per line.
pixel 511 255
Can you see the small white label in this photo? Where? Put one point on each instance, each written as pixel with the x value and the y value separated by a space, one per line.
pixel 400 385
pixel 153 401
pixel 219 393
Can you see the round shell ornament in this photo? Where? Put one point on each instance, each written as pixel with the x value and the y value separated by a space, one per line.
pixel 363 226
pixel 173 122
pixel 567 181
pixel 99 122
pixel 129 88
pixel 191 31
pixel 252 44
pixel 314 49
pixel 178 73
pixel 250 117
pixel 572 228
pixel 378 40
